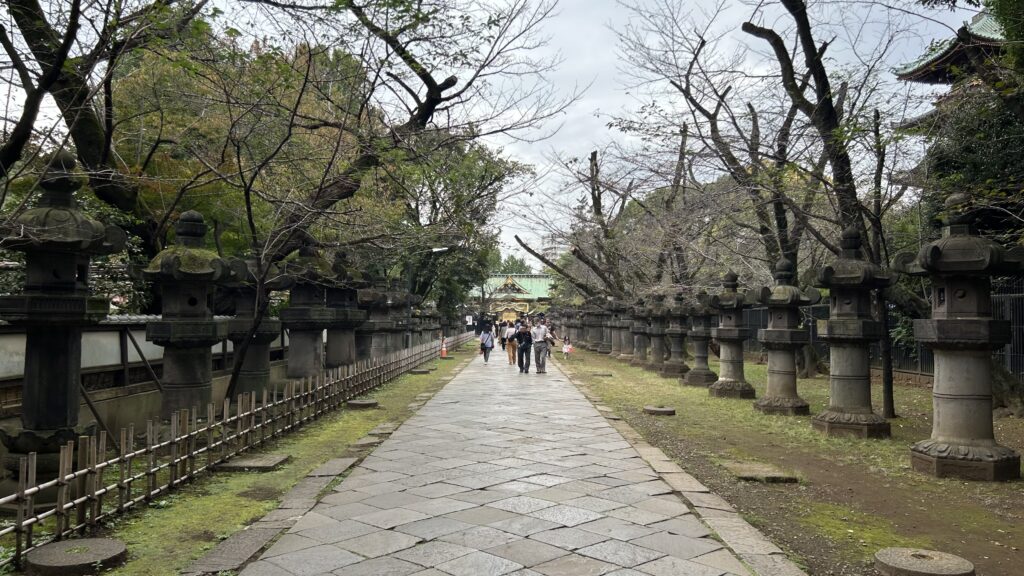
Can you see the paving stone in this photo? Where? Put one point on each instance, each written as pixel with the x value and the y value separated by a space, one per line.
pixel 723 560
pixel 616 528
pixel 378 543
pixel 431 554
pixel 677 545
pixel 290 543
pixel 708 501
pixel 234 551
pixel 346 511
pixel 683 525
pixel 665 466
pixel 521 504
pixel 528 552
pixel 338 531
pixel 253 463
pixel 380 567
pixel 393 500
pixel 574 565
pixel 672 566
pixel 523 525
pixel 481 515
pixel 566 515
pixel 557 494
pixel 669 506
pixel 437 490
pixel 759 472
pixel 261 568
pixel 620 553
pixel 433 527
pixel 637 515
pixel 390 518
pixel 438 506
pixel 683 482
pixel 333 467
pixel 316 560
pixel 480 537
pixel 741 536
pixel 479 563
pixel 569 538
pixel 594 504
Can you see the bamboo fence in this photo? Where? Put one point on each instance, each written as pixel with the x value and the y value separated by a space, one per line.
pixel 91 486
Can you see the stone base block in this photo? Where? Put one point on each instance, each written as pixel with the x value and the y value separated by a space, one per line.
pixel 1006 467
pixel 732 389
pixel 175 399
pixel 624 357
pixel 670 370
pixel 783 406
pixel 638 362
pixel 851 425
pixel 604 349
pixel 652 367
pixel 699 377
pixel 79 556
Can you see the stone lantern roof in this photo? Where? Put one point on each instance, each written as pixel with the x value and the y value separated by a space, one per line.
pixel 785 293
pixel 56 224
pixel 309 267
pixel 186 259
pixel 959 252
pixel 851 269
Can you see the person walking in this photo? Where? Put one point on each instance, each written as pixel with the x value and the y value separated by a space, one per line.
pixel 510 343
pixel 486 342
pixel 540 337
pixel 566 348
pixel 501 333
pixel 524 343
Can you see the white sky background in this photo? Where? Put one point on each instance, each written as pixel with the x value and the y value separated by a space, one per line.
pixel 583 33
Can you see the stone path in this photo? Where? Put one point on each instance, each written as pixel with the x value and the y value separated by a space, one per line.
pixel 503 473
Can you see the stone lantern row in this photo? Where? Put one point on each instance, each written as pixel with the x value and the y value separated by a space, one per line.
pixel 961 332
pixel 58 240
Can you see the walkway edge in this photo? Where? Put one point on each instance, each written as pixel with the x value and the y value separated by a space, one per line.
pixel 762 556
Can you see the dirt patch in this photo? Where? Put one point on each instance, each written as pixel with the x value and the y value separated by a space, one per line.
pixel 201 536
pixel 855 496
pixel 261 493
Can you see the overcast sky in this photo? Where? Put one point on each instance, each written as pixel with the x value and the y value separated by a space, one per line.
pixel 583 33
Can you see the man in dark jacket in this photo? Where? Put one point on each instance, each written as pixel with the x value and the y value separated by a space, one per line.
pixel 524 342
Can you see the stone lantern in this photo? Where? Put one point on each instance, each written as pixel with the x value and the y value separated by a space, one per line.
pixel 639 329
pixel 372 337
pixel 656 334
pixel 625 321
pixel 615 309
pixel 604 329
pixel 962 335
pixel 782 338
pixel 700 334
pixel 254 373
pixel 307 314
pixel 186 274
pixel 676 366
pixel 730 333
pixel 343 301
pixel 849 332
pixel 58 241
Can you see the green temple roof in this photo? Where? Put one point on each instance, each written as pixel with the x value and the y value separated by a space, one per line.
pixel 945 58
pixel 519 286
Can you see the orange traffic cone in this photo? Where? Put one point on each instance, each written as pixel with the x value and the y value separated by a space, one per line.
pixel 444 347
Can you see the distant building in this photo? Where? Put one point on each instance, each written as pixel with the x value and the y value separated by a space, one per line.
pixel 509 296
pixel 552 248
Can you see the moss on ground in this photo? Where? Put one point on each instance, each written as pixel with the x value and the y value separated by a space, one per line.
pixel 165 538
pixel 859 535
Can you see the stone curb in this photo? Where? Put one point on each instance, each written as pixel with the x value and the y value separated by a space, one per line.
pixel 234 552
pixel 762 557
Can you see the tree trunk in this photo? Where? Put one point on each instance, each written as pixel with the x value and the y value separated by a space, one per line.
pixel 885 352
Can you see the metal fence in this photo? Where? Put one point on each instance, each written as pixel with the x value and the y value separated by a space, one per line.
pixel 91 486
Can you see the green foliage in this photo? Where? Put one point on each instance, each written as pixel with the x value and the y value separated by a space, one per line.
pixel 512 264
